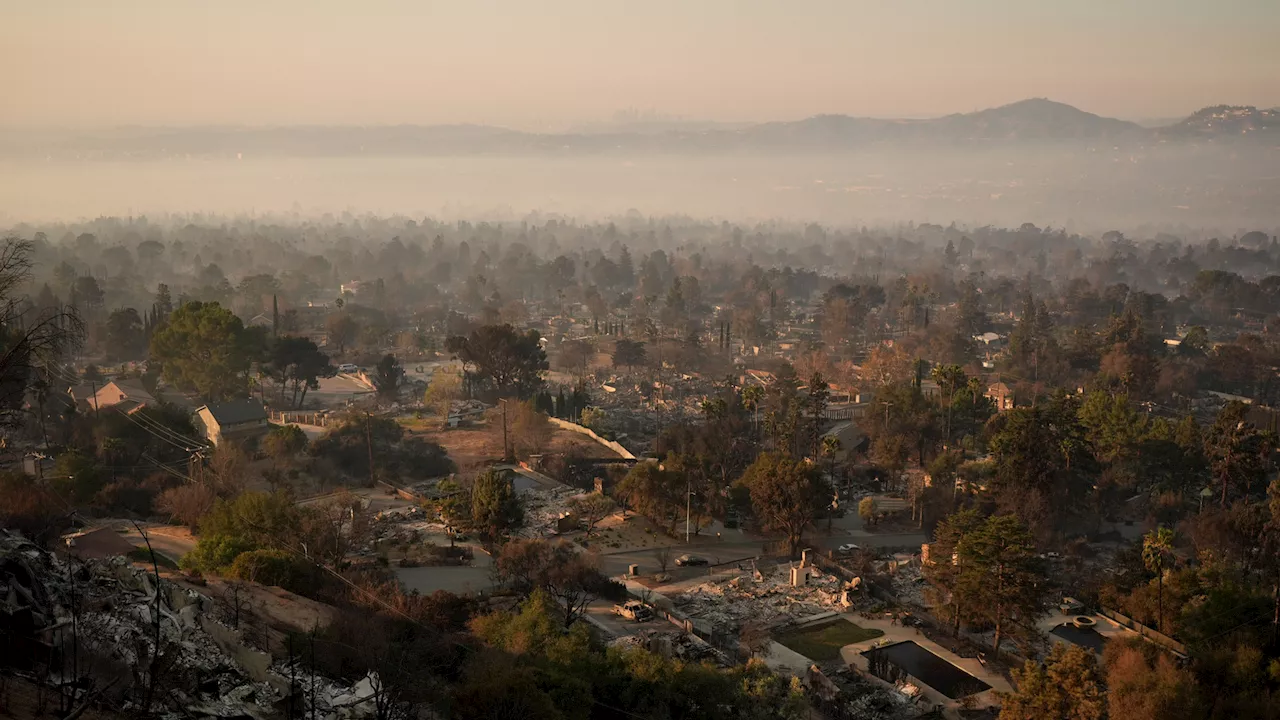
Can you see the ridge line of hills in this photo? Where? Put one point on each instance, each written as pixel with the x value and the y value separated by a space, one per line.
pixel 1028 121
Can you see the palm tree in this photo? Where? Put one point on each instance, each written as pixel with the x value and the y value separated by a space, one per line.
pixel 949 379
pixel 830 446
pixel 1157 552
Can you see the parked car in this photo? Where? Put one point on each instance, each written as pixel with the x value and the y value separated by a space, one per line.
pixel 348 368
pixel 848 548
pixel 689 560
pixel 634 610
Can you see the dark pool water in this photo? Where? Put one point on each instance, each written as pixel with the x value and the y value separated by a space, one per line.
pixel 1084 637
pixel 891 662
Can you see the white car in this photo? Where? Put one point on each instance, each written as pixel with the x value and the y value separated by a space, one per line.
pixel 348 368
pixel 848 548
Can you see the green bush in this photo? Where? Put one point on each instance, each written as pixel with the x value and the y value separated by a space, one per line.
pixel 274 567
pixel 212 553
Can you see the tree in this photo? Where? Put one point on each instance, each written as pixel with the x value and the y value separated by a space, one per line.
pixel 950 379
pixel 125 338
pixel 187 503
pixel 531 431
pixel 87 293
pixel 1002 572
pixel 387 378
pixel 495 507
pixel 445 388
pixel 296 364
pixel 786 495
pixel 505 363
pixel 1144 683
pixel 1068 685
pixel 592 509
pixel 31 338
pixel 284 443
pixel 576 355
pixel 347 447
pixel 946 567
pixel 204 348
pixel 655 491
pixel 1157 552
pixel 571 578
pixel 628 353
pixel 867 510
pixel 342 330
pixel 1235 449
pixel 1043 462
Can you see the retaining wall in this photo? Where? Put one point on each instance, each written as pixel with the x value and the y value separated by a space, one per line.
pixel 574 427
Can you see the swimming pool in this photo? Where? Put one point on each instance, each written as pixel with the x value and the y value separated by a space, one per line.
pixel 894 662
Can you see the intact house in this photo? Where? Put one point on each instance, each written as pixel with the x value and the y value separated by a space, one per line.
pixel 1001 395
pixel 239 420
pixel 127 396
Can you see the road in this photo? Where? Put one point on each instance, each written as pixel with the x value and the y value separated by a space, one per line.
pixel 170 541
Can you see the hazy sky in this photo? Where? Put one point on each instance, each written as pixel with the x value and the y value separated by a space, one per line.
pixel 546 63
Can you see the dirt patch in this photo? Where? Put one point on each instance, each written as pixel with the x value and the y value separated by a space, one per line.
pixel 473 448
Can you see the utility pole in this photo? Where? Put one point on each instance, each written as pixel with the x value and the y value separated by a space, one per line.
pixel 506 447
pixel 368 436
pixel 688 505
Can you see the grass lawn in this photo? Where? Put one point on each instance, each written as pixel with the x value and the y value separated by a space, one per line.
pixel 140 554
pixel 822 642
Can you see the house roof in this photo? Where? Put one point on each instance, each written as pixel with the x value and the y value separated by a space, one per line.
pixel 118 392
pixel 83 391
pixel 234 412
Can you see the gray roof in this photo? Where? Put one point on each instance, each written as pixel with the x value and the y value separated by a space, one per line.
pixel 234 412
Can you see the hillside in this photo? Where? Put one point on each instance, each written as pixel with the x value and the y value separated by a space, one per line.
pixel 1035 120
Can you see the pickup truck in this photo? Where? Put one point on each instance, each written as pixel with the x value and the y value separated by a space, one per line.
pixel 634 610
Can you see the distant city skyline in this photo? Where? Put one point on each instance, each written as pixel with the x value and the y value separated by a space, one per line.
pixel 559 63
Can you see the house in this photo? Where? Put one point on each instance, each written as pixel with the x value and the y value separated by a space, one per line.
pixel 852 441
pixel 239 420
pixel 1001 395
pixel 990 339
pixel 82 393
pixel 127 396
pixel 261 320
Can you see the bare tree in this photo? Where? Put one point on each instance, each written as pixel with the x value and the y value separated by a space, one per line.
pixel 663 556
pixel 31 338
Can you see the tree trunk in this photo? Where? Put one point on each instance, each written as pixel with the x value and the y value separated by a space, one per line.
pixel 1160 599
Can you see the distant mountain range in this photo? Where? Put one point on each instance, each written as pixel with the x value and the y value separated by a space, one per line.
pixel 1028 121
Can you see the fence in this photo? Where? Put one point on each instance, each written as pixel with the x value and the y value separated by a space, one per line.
pixel 291 417
pixel 1151 634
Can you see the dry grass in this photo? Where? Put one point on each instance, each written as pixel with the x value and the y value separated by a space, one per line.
pixel 478 446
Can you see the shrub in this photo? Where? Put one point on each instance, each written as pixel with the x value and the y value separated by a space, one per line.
pixel 212 553
pixel 274 567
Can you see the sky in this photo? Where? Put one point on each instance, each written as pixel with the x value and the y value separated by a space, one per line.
pixel 548 64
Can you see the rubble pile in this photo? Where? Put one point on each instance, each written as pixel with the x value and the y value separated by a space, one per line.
pixel 770 599
pixel 672 643
pixel 89 628
pixel 909 586
pixel 405 525
pixel 543 509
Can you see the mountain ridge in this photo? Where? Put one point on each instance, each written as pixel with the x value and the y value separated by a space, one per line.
pixel 1030 120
